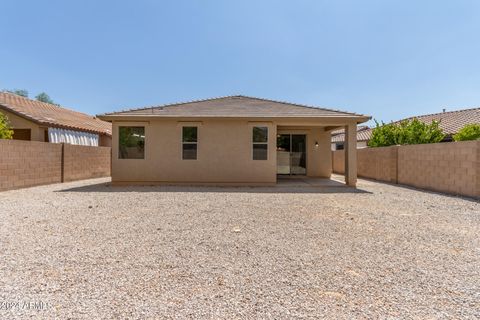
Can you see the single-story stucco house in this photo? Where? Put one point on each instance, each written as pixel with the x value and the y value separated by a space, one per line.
pixel 34 120
pixel 233 140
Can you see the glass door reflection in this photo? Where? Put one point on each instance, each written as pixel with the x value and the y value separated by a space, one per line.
pixel 291 154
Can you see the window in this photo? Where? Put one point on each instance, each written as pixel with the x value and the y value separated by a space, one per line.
pixel 22 134
pixel 189 143
pixel 131 143
pixel 260 143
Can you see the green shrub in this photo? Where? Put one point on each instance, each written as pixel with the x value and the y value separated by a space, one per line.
pixel 405 132
pixel 5 130
pixel 469 132
pixel 383 135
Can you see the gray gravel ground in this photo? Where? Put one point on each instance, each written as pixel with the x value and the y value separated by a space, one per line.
pixel 90 251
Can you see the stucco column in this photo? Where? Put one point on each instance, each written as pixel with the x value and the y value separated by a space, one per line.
pixel 351 154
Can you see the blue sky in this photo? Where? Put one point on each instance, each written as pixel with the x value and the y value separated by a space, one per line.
pixel 388 59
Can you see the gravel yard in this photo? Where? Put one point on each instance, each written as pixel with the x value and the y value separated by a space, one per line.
pixel 86 250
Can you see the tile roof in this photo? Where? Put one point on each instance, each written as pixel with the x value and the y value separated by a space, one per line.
pixel 338 131
pixel 52 115
pixel 235 106
pixel 363 134
pixel 450 122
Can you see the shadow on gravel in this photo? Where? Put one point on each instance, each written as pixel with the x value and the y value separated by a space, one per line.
pixel 107 187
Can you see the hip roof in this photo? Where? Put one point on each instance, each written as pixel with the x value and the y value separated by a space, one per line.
pixel 233 106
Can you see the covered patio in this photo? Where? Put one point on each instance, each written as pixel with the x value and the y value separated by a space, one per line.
pixel 303 152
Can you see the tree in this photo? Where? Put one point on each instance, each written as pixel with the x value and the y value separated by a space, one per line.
pixel 405 132
pixel 43 97
pixel 6 131
pixel 383 135
pixel 19 92
pixel 468 132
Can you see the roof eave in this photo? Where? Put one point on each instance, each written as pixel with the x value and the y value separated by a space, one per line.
pixel 113 117
pixel 51 124
pixel 21 115
pixel 60 126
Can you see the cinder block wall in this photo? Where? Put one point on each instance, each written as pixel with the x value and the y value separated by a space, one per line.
pixel 84 162
pixel 373 163
pixel 446 167
pixel 378 163
pixel 31 163
pixel 338 161
pixel 478 169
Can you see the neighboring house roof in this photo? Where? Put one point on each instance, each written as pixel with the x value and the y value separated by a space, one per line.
pixel 363 134
pixel 52 115
pixel 450 122
pixel 234 106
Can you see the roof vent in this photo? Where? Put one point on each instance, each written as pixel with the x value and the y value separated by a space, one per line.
pixel 443 110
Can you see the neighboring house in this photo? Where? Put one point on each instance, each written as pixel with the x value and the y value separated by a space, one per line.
pixel 39 121
pixel 338 137
pixel 231 140
pixel 449 121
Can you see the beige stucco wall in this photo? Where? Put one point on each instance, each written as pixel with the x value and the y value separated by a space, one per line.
pixel 224 153
pixel 16 122
pixel 319 161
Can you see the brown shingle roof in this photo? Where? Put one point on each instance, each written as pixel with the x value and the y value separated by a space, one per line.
pixel 235 106
pixel 51 115
pixel 450 122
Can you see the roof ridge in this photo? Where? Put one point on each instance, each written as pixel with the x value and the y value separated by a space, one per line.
pixel 303 105
pixel 46 104
pixel 439 113
pixel 170 104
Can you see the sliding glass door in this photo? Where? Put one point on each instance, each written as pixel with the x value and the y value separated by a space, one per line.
pixel 283 153
pixel 291 154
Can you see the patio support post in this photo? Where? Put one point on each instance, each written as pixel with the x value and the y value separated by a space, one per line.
pixel 351 154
